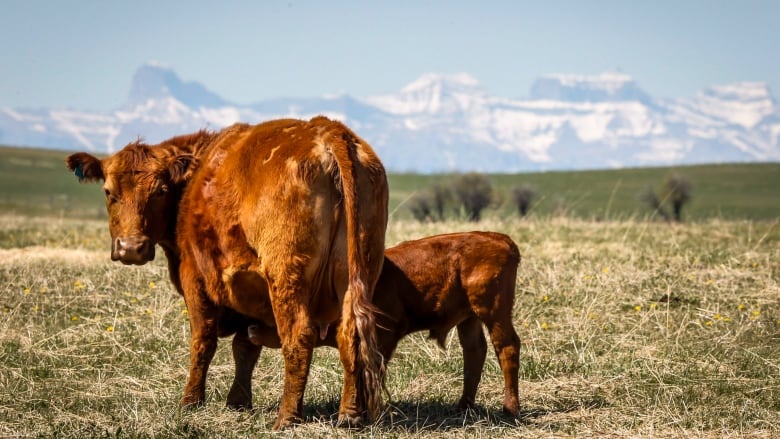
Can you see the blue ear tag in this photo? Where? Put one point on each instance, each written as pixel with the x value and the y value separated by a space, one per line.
pixel 79 171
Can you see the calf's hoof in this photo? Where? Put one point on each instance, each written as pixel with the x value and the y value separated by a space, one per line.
pixel 465 404
pixel 239 400
pixel 240 406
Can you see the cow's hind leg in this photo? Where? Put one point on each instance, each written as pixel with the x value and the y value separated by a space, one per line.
pixel 245 355
pixel 298 338
pixel 472 340
pixel 507 346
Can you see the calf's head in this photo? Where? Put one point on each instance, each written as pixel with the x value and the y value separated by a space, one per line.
pixel 142 185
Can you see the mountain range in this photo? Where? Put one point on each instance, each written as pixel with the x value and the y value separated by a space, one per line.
pixel 445 123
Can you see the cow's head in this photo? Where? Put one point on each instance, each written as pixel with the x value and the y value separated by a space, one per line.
pixel 142 185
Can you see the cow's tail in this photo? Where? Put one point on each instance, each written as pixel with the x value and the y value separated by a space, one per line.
pixel 358 318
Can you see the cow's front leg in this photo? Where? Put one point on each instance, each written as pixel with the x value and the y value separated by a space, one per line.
pixel 298 338
pixel 245 355
pixel 203 345
pixel 472 340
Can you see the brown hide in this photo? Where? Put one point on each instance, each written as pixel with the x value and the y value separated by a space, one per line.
pixel 461 280
pixel 281 222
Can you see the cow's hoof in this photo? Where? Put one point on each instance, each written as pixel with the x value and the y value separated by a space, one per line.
pixel 512 411
pixel 286 422
pixel 350 421
pixel 191 403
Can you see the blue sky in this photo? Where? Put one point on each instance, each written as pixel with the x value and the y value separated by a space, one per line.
pixel 82 54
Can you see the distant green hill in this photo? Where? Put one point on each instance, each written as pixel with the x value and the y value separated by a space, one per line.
pixel 727 191
pixel 36 182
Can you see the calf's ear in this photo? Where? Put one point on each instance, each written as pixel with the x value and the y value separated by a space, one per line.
pixel 182 167
pixel 86 167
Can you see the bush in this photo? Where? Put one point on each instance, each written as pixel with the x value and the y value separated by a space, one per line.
pixel 522 196
pixel 420 206
pixel 474 192
pixel 678 192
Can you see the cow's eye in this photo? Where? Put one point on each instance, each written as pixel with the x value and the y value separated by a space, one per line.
pixel 109 196
pixel 161 190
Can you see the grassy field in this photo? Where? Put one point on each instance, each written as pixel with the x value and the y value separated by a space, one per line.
pixel 36 182
pixel 629 328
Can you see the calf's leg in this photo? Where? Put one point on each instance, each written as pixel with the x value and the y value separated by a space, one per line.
pixel 245 355
pixel 472 340
pixel 507 346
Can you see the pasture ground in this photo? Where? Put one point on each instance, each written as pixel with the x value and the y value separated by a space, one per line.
pixel 629 328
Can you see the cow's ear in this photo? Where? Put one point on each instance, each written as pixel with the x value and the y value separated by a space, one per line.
pixel 86 167
pixel 182 167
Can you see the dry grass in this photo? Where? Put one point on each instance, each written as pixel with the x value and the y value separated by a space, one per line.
pixel 628 329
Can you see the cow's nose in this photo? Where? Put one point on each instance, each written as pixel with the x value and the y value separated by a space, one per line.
pixel 136 250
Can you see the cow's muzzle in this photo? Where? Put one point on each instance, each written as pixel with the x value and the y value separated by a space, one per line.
pixel 136 250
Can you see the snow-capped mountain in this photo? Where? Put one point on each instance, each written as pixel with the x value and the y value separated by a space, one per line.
pixel 449 123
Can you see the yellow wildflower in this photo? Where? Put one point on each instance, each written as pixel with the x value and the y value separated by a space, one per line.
pixel 110 328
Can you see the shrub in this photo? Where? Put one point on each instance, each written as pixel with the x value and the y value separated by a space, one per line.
pixel 474 193
pixel 522 196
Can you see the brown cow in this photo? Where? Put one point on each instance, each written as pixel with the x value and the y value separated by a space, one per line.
pixel 283 222
pixel 456 280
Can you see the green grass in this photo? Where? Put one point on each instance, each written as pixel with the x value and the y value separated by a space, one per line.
pixel 36 182
pixel 629 328
pixel 733 191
